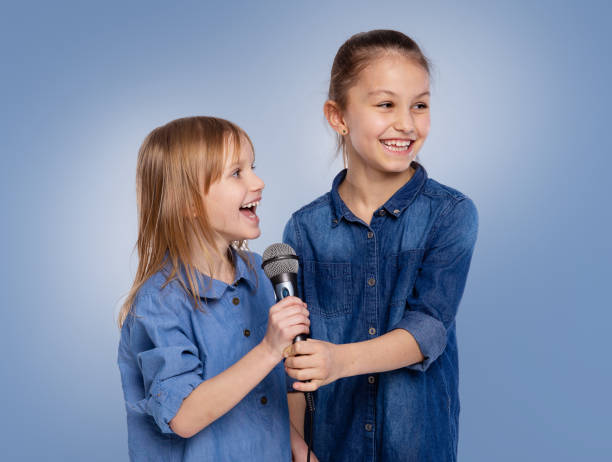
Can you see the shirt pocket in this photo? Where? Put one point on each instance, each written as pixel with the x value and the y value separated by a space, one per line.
pixel 404 268
pixel 327 288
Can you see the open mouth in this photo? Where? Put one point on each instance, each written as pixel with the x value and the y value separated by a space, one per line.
pixel 398 146
pixel 249 209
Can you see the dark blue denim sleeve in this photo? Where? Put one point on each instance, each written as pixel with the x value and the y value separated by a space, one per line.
pixel 432 306
pixel 169 361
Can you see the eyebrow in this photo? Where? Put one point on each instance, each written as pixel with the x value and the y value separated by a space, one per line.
pixel 389 92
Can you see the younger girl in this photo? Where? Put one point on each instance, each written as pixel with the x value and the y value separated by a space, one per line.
pixel 199 353
pixel 384 260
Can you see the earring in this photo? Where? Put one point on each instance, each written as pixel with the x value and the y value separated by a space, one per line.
pixel 344 131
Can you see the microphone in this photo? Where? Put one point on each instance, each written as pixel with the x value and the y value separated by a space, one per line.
pixel 280 263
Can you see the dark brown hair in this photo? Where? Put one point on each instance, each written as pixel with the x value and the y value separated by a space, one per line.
pixel 358 51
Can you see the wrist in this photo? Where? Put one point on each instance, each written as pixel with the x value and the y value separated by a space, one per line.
pixel 344 363
pixel 269 353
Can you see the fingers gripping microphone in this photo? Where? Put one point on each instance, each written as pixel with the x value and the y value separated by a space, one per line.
pixel 280 263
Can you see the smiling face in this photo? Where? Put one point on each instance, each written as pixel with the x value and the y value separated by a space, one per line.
pixel 387 115
pixel 231 202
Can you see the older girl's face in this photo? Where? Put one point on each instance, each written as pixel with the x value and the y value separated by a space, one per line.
pixel 387 114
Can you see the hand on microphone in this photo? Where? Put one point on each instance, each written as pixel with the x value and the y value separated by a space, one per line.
pixel 314 363
pixel 287 319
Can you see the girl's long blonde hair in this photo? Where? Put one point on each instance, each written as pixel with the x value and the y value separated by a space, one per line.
pixel 177 163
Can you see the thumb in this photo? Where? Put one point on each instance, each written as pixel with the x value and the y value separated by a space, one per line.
pixel 288 351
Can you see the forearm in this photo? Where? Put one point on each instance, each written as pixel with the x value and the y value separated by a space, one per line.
pixel 393 350
pixel 297 409
pixel 217 395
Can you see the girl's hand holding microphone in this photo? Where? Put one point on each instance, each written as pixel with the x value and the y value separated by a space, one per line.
pixel 314 363
pixel 286 320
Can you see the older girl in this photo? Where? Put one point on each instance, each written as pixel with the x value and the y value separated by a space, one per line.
pixel 385 256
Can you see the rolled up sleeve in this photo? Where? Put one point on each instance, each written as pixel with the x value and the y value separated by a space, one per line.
pixel 169 361
pixel 432 305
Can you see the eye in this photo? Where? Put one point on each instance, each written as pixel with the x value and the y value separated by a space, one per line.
pixel 421 106
pixel 236 173
pixel 385 105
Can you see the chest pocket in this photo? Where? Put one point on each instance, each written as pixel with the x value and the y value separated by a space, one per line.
pixel 405 268
pixel 327 288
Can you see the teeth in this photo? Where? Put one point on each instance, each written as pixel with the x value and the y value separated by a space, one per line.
pixel 398 143
pixel 249 205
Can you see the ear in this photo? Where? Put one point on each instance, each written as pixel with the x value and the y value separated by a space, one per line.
pixel 333 114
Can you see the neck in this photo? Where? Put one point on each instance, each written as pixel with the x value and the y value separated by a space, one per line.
pixel 364 190
pixel 215 263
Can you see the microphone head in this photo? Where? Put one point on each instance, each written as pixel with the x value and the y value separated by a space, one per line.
pixel 278 259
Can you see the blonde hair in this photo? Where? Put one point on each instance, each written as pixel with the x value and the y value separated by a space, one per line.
pixel 177 163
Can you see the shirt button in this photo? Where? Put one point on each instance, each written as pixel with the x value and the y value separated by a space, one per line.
pixel 263 400
pixel 247 332
pixel 381 212
pixel 396 211
pixel 368 427
pixel 371 331
pixel 371 282
pixel 371 379
pixel 235 300
pixel 370 234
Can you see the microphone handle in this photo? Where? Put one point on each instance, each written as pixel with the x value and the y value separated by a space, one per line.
pixel 285 285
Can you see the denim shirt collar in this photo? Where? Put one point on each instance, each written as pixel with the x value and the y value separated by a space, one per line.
pixel 394 206
pixel 213 289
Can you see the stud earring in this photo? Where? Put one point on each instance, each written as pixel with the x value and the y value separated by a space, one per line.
pixel 344 131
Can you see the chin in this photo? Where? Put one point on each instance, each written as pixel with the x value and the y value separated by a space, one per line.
pixel 252 235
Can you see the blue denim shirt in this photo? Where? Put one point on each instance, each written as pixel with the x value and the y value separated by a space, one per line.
pixel 168 348
pixel 406 270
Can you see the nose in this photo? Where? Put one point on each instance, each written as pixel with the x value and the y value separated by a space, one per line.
pixel 405 121
pixel 257 183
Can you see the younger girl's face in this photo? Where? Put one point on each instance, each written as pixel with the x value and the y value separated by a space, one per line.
pixel 231 202
pixel 387 114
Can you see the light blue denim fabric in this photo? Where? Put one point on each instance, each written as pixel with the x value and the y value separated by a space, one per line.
pixel 167 349
pixel 406 270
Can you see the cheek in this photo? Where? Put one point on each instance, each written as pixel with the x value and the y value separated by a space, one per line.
pixel 423 126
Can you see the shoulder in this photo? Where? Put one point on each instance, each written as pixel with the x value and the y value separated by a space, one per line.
pixel 435 189
pixel 321 205
pixel 457 216
pixel 159 294
pixel 311 217
pixel 449 200
pixel 309 220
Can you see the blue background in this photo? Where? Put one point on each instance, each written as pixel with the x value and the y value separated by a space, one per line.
pixel 519 123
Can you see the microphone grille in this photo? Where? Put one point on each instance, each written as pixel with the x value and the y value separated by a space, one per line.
pixel 274 263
